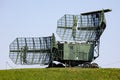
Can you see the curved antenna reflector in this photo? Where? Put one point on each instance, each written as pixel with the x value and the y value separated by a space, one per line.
pixel 85 27
pixel 31 50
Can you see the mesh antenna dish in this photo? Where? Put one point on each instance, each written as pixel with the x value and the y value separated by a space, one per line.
pixel 84 27
pixel 31 50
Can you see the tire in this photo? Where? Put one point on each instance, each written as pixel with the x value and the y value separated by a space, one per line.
pixel 86 65
pixel 94 65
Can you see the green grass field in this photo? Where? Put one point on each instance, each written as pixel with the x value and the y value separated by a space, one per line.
pixel 60 74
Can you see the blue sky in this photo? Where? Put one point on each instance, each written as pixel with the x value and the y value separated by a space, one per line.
pixel 36 18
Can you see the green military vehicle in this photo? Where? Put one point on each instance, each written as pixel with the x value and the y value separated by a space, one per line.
pixel 79 45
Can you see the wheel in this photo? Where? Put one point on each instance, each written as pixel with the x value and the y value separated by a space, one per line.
pixel 60 65
pixel 94 65
pixel 86 65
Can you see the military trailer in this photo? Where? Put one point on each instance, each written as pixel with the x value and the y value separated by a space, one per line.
pixel 79 45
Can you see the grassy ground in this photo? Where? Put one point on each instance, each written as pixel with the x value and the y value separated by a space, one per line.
pixel 60 74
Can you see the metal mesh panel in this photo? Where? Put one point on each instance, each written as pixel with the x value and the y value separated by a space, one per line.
pixel 79 27
pixel 33 50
